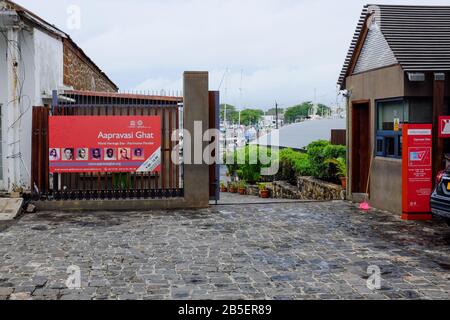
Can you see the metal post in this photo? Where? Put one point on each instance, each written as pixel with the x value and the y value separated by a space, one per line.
pixel 54 100
pixel 276 114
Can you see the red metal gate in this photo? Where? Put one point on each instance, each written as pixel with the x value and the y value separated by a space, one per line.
pixel 78 186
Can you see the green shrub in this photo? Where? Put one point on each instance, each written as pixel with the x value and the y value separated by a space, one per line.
pixel 293 164
pixel 262 186
pixel 334 152
pixel 248 170
pixel 341 166
pixel 320 153
pixel 317 157
pixel 320 161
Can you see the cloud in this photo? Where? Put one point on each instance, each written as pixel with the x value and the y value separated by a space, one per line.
pixel 260 88
pixel 287 49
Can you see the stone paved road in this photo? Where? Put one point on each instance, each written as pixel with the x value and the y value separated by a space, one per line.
pixel 269 251
pixel 236 199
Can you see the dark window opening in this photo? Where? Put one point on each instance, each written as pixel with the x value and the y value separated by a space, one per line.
pixel 391 115
pixel 390 146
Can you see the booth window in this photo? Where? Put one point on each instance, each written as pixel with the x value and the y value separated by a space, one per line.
pixel 401 111
pixel 391 115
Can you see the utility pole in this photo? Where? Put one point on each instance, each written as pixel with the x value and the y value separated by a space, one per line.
pixel 276 114
pixel 225 109
pixel 240 97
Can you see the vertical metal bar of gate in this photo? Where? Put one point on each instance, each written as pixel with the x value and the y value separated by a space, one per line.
pixel 214 123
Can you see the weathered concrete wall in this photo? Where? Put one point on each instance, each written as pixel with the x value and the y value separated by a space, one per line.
pixel 39 70
pixel 3 102
pixel 81 74
pixel 31 96
pixel 48 61
pixel 307 188
pixel 386 184
pixel 374 85
pixel 196 113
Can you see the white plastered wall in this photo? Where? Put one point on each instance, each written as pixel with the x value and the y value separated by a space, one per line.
pixel 40 70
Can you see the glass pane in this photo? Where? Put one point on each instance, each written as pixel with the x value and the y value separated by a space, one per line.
pixel 421 111
pixel 379 146
pixel 390 146
pixel 388 112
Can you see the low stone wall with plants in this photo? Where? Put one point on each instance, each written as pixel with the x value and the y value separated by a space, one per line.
pixel 252 190
pixel 317 173
pixel 307 188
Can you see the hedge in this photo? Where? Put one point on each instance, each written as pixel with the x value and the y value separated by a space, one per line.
pixel 319 161
pixel 246 171
pixel 293 164
pixel 320 153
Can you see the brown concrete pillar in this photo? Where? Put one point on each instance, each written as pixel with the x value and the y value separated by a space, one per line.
pixel 196 122
pixel 438 110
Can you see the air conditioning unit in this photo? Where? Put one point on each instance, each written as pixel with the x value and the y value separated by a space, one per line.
pixel 439 76
pixel 416 77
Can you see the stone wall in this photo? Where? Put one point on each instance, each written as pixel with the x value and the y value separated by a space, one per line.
pixel 252 190
pixel 307 188
pixel 82 74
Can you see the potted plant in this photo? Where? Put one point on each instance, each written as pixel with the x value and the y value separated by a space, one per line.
pixel 223 187
pixel 233 187
pixel 341 170
pixel 242 188
pixel 263 191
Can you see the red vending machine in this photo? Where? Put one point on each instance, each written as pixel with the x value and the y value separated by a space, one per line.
pixel 417 171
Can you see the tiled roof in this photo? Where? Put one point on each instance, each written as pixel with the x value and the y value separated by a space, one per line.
pixel 419 36
pixel 28 15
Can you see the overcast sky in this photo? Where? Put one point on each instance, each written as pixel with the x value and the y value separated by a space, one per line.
pixel 283 50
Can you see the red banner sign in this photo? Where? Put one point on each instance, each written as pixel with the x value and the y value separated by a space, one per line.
pixel 444 127
pixel 104 144
pixel 417 168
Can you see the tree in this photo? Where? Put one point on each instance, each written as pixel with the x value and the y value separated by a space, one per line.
pixel 323 109
pixel 232 114
pixel 272 111
pixel 297 112
pixel 251 116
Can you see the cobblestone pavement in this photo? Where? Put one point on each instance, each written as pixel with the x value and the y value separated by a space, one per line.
pixel 234 198
pixel 269 251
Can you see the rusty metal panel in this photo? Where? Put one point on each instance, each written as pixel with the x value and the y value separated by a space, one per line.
pixel 339 137
pixel 39 169
pixel 214 123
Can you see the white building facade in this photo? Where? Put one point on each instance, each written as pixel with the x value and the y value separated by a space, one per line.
pixel 31 66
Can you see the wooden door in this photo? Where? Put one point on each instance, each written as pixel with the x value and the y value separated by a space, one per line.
pixel 360 147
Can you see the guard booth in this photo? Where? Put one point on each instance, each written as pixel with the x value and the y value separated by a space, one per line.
pixel 394 83
pixel 114 151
